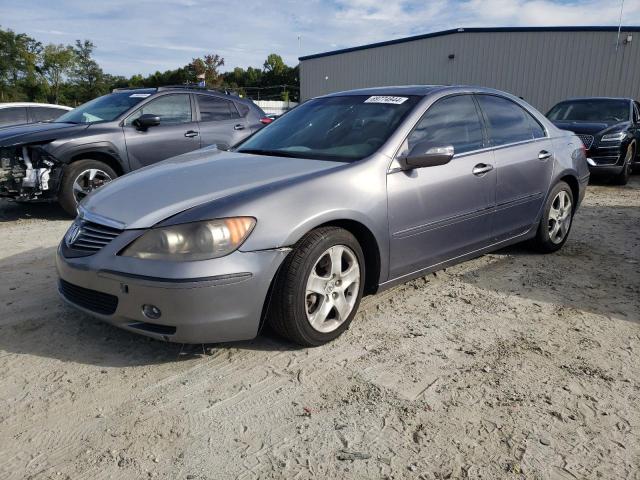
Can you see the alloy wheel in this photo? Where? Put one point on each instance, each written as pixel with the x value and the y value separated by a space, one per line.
pixel 560 217
pixel 89 180
pixel 332 288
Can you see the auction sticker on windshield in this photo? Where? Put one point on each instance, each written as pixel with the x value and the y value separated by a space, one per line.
pixel 386 99
pixel 139 95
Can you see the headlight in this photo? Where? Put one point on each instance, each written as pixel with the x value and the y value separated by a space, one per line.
pixel 192 241
pixel 614 137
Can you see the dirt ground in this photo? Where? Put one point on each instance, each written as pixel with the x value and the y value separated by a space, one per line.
pixel 513 365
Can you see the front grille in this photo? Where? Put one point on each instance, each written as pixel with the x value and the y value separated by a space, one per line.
pixel 93 300
pixel 93 236
pixel 587 140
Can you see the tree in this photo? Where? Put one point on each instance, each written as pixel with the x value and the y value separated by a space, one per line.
pixel 57 62
pixel 87 74
pixel 209 65
pixel 274 65
pixel 19 55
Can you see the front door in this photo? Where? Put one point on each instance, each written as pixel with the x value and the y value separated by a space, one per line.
pixel 439 213
pixel 524 162
pixel 177 133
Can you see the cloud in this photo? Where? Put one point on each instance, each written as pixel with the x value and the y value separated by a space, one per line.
pixel 147 35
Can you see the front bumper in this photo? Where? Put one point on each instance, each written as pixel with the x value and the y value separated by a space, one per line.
pixel 224 305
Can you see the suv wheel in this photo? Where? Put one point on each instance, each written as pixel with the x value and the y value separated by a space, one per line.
pixel 79 179
pixel 623 177
pixel 319 287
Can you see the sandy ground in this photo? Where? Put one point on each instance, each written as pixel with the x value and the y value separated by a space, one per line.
pixel 513 365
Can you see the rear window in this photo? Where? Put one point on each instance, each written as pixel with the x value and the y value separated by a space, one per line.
pixel 215 109
pixel 243 109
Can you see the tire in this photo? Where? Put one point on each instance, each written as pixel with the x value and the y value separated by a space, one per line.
pixel 623 177
pixel 307 317
pixel 103 173
pixel 555 215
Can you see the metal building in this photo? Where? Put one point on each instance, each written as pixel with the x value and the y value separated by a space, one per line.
pixel 543 65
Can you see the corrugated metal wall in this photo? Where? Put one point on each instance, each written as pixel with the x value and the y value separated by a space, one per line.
pixel 541 67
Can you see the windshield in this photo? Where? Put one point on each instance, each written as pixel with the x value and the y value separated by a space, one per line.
pixel 344 128
pixel 595 110
pixel 103 109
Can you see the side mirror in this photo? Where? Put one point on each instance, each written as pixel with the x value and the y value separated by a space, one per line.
pixel 424 154
pixel 145 121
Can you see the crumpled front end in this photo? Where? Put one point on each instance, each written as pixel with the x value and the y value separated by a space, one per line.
pixel 28 172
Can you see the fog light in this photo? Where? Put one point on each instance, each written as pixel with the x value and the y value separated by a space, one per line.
pixel 151 311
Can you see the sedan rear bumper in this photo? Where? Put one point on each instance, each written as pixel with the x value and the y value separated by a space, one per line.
pixel 218 308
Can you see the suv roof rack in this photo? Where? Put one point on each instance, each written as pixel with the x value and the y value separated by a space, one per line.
pixel 126 89
pixel 190 86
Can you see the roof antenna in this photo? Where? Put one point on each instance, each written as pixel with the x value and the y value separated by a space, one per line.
pixel 619 24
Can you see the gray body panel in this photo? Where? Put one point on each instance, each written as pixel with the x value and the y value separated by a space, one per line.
pixel 421 219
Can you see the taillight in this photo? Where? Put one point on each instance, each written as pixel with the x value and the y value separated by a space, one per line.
pixel 266 120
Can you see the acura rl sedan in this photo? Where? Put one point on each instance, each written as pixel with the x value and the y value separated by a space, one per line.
pixel 346 195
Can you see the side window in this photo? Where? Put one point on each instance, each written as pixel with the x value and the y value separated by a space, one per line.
pixel 243 109
pixel 536 128
pixel 43 114
pixel 13 115
pixel 214 109
pixel 636 112
pixel 172 110
pixel 508 122
pixel 450 121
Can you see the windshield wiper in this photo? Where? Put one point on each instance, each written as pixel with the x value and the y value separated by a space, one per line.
pixel 277 153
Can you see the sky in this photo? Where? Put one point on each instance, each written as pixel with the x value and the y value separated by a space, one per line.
pixel 143 36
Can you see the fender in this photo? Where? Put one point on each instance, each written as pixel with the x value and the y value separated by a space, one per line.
pixel 68 150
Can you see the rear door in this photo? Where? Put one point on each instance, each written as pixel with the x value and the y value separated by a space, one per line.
pixel 177 133
pixel 220 122
pixel 523 156
pixel 439 213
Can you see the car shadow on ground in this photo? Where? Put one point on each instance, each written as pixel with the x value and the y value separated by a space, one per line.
pixel 596 271
pixel 11 211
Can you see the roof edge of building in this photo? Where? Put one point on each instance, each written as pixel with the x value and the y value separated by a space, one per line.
pixel 624 28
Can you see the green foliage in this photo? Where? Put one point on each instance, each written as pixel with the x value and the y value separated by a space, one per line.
pixel 69 75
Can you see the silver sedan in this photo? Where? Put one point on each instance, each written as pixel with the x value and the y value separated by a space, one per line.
pixel 346 195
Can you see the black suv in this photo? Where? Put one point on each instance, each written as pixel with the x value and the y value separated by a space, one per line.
pixel 115 134
pixel 609 129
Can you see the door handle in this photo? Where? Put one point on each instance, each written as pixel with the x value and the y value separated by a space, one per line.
pixel 543 155
pixel 481 168
pixel 238 127
pixel 191 133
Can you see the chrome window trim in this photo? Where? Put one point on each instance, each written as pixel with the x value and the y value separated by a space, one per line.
pixel 394 165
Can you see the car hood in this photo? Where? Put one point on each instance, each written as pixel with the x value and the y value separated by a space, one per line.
pixel 589 128
pixel 149 195
pixel 37 132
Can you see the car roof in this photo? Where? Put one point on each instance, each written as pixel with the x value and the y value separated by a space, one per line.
pixel 574 99
pixel 33 104
pixel 420 90
pixel 186 88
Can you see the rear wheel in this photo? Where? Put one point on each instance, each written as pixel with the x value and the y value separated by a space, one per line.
pixel 623 177
pixel 319 287
pixel 556 221
pixel 79 179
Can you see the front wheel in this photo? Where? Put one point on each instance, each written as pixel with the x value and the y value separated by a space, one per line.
pixel 623 177
pixel 80 178
pixel 556 221
pixel 319 287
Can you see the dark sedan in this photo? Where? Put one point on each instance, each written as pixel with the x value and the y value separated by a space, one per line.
pixel 609 129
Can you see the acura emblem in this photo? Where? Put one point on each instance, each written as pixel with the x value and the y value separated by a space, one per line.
pixel 73 234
